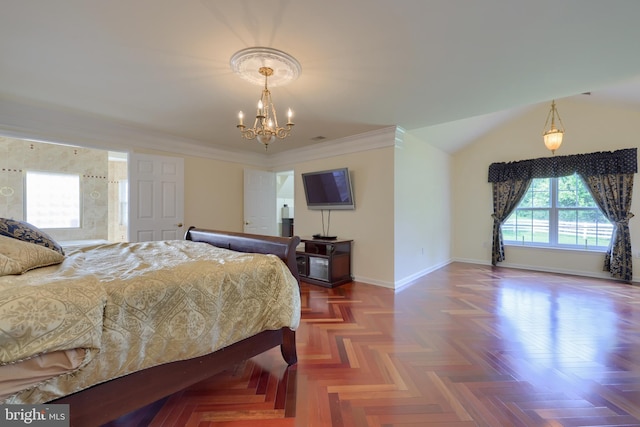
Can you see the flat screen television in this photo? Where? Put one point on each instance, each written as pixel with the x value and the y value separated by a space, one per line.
pixel 328 190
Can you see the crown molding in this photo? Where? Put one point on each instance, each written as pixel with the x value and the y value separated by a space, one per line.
pixel 46 124
pixel 399 138
pixel 380 138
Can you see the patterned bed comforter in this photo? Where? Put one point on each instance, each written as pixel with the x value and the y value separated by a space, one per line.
pixel 136 305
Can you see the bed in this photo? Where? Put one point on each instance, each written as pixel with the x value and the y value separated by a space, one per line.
pixel 235 296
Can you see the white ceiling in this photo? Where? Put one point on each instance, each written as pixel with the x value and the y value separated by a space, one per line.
pixel 163 66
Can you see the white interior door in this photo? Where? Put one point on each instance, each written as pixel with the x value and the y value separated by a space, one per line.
pixel 156 198
pixel 260 202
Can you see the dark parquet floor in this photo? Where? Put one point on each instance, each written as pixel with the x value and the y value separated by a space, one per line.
pixel 466 345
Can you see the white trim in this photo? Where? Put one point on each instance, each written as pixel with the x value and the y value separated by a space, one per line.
pixel 351 144
pixel 404 283
pixel 38 123
pixel 599 250
pixel 410 280
pixel 142 140
pixel 399 138
pixel 369 281
pixel 401 285
pixel 471 261
pixel 580 273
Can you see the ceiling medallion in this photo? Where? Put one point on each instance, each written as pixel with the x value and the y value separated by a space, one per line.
pixel 247 63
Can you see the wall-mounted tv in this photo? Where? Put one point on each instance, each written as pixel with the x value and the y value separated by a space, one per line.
pixel 328 190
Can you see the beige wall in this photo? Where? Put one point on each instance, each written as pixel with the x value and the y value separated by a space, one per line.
pixel 401 226
pixel 213 192
pixel 214 199
pixel 370 225
pixel 589 128
pixel 422 193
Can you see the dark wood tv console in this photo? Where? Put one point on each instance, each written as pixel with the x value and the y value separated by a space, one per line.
pixel 325 262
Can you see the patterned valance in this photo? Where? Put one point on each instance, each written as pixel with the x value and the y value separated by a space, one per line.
pixel 602 163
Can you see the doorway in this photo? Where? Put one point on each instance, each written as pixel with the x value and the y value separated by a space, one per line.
pixel 285 202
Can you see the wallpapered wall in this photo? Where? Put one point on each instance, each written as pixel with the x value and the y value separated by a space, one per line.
pixel 118 208
pixel 96 188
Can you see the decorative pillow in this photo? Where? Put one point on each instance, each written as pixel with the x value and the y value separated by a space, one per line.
pixel 9 266
pixel 17 256
pixel 29 233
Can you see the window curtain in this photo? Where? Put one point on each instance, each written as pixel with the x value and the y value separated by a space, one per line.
pixel 609 176
pixel 506 196
pixel 612 193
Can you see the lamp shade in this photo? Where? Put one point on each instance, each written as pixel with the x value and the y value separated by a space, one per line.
pixel 266 139
pixel 553 136
pixel 553 139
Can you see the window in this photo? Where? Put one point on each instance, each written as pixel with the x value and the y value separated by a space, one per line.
pixel 558 212
pixel 53 199
pixel 123 202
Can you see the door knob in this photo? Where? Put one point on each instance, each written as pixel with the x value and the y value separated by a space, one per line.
pixel 179 224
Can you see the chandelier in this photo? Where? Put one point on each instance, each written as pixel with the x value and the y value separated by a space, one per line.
pixel 553 136
pixel 281 68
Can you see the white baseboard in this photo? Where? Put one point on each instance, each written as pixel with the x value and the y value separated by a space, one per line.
pixel 409 280
pixel 597 275
pixel 369 281
pixel 406 282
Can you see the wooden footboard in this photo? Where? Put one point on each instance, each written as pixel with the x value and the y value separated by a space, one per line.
pixel 110 400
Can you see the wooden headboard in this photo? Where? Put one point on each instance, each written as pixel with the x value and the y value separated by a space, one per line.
pixel 283 247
